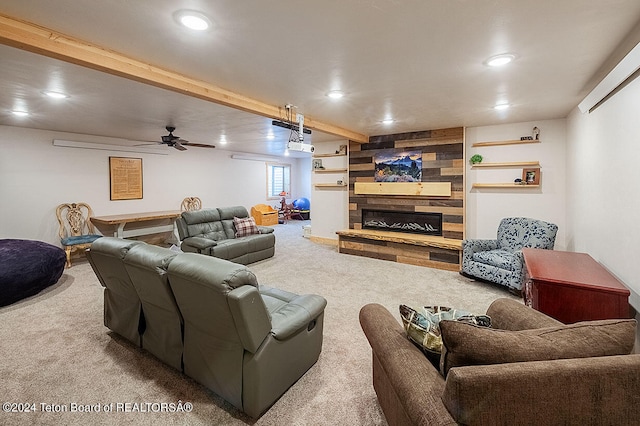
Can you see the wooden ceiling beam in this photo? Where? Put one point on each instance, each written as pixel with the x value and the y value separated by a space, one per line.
pixel 46 42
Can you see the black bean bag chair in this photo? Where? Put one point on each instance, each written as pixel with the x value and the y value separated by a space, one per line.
pixel 27 267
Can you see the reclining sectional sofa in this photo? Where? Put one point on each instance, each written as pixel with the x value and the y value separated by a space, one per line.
pixel 210 319
pixel 225 232
pixel 529 369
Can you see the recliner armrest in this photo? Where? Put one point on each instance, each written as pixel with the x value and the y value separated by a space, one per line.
pixel 296 315
pixel 250 316
pixel 265 229
pixel 199 243
pixel 479 245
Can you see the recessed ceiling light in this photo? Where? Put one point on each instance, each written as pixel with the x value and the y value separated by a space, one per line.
pixel 501 107
pixel 500 60
pixel 193 20
pixel 271 136
pixel 388 121
pixel 286 152
pixel 335 94
pixel 223 139
pixel 55 95
pixel 20 113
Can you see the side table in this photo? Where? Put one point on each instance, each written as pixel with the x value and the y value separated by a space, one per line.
pixel 572 287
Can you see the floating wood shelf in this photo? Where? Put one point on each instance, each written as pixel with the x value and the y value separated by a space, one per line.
pixel 508 164
pixel 329 185
pixel 330 170
pixel 328 155
pixel 496 143
pixel 503 185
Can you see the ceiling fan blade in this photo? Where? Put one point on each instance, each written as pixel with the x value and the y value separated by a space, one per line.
pixel 179 146
pixel 199 145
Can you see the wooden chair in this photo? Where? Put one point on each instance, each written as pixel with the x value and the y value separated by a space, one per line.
pixel 76 230
pixel 191 203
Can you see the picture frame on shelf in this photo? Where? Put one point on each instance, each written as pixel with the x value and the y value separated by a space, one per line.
pixel 531 176
pixel 317 164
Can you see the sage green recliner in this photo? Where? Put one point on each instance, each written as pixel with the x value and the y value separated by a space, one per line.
pixel 147 266
pixel 248 345
pixel 122 307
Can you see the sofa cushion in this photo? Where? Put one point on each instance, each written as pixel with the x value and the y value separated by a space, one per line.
pixel 245 226
pixel 467 344
pixel 502 259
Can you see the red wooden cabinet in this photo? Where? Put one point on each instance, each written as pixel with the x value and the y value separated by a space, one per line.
pixel 572 287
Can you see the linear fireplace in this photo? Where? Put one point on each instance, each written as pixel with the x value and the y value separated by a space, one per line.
pixel 414 222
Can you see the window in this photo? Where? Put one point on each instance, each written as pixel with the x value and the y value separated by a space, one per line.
pixel 278 180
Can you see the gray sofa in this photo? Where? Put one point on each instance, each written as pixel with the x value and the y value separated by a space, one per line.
pixel 212 232
pixel 209 318
pixel 598 388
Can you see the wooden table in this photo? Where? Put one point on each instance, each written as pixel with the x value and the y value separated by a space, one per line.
pixel 572 287
pixel 139 223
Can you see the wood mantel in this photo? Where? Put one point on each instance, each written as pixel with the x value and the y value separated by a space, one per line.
pixel 424 189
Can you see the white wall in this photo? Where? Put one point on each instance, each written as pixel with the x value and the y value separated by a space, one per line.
pixel 486 207
pixel 36 176
pixel 603 148
pixel 330 206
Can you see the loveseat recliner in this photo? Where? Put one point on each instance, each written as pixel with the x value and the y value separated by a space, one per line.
pixel 500 260
pixel 209 318
pixel 215 232
pixel 597 384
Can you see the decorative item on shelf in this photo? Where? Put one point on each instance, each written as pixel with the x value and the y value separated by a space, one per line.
pixel 339 182
pixel 531 176
pixel 526 138
pixel 519 181
pixel 342 150
pixel 476 158
pixel 317 164
pixel 536 133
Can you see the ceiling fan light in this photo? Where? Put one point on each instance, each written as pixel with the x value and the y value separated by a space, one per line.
pixel 193 20
pixel 55 95
pixel 500 60
pixel 335 94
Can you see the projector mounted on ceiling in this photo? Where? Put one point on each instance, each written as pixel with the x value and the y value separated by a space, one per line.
pixel 299 146
pixel 296 137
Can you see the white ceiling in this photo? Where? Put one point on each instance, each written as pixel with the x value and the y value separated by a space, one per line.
pixel 420 61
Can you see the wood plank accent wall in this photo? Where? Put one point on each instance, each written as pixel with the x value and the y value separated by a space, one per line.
pixel 442 161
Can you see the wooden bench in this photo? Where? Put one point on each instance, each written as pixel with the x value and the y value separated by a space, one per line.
pixel 415 249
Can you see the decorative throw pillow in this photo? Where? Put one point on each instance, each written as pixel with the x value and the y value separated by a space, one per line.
pixel 466 344
pixel 245 226
pixel 423 328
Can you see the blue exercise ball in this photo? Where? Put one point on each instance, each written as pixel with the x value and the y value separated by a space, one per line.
pixel 302 204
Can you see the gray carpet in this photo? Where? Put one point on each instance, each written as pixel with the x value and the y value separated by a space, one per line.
pixel 56 351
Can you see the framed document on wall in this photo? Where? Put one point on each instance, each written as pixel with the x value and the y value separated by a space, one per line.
pixel 125 178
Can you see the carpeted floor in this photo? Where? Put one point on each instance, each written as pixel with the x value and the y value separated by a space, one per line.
pixel 57 355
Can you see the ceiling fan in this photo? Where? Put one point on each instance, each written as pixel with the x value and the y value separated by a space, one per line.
pixel 179 143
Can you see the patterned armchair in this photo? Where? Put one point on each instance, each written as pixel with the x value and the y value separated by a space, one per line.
pixel 500 260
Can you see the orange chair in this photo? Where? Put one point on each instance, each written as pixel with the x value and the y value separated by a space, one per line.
pixel 264 215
